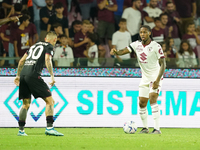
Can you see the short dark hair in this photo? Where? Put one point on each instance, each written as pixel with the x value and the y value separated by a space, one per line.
pixel 58 5
pixel 156 19
pixel 190 23
pixel 134 0
pixel 169 2
pixel 122 20
pixel 55 25
pixel 163 14
pixel 75 22
pixel 92 37
pixel 18 7
pixel 149 29
pixel 23 18
pixel 25 12
pixel 63 35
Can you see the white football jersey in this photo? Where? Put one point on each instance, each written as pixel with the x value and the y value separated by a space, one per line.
pixel 148 57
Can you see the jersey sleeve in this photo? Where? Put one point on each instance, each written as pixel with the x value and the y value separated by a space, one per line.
pixel 159 52
pixel 131 47
pixel 49 50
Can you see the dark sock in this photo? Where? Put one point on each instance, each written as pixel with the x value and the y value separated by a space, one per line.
pixel 22 118
pixel 49 121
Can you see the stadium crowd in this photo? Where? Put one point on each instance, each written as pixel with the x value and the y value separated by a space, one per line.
pixel 88 29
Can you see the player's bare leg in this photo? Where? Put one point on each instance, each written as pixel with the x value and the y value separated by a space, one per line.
pixel 143 113
pixel 22 116
pixel 49 117
pixel 155 112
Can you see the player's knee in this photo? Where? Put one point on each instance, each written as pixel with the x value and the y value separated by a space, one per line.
pixel 26 103
pixel 142 104
pixel 49 101
pixel 153 98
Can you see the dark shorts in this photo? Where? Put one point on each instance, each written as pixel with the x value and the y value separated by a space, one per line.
pixel 35 86
pixel 105 29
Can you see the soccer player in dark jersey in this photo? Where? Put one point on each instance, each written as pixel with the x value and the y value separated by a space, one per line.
pixel 29 80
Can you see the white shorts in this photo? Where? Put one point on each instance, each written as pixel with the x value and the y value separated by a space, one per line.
pixel 144 90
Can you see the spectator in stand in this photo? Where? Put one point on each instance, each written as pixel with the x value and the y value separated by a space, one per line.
pixel 162 4
pixel 5 36
pixel 91 51
pixel 187 11
pixel 106 26
pixel 167 30
pixel 164 48
pixel 22 38
pixel 171 49
pixel 150 12
pixel 171 52
pixel 192 37
pixel 120 40
pixel 198 14
pixel 45 13
pixel 63 56
pixel 57 28
pixel 30 9
pixel 118 13
pixel 13 27
pixel 8 5
pixel 101 49
pixel 85 6
pixel 133 18
pixel 65 6
pixel 186 57
pixel 31 27
pixel 80 43
pixel 37 5
pixel 129 3
pixel 173 21
pixel 59 18
pixel 157 31
pixel 2 53
pixel 76 27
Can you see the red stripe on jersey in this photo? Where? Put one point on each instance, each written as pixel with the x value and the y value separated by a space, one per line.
pixel 162 57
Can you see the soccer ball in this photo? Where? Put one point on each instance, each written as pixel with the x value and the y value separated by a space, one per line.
pixel 130 127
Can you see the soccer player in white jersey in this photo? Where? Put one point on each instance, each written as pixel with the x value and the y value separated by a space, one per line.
pixel 152 63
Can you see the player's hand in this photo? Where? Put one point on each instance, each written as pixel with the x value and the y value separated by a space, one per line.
pixel 52 81
pixel 113 51
pixel 155 85
pixel 16 81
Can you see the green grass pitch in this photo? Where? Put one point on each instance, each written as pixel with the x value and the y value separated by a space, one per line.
pixel 100 139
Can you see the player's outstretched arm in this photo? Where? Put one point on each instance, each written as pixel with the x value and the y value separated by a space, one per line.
pixel 49 66
pixel 120 52
pixel 162 63
pixel 19 69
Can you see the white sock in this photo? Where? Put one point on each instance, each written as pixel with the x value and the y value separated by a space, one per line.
pixel 156 115
pixel 143 115
pixel 49 127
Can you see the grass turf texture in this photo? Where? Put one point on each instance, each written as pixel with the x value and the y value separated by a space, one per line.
pixel 99 139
